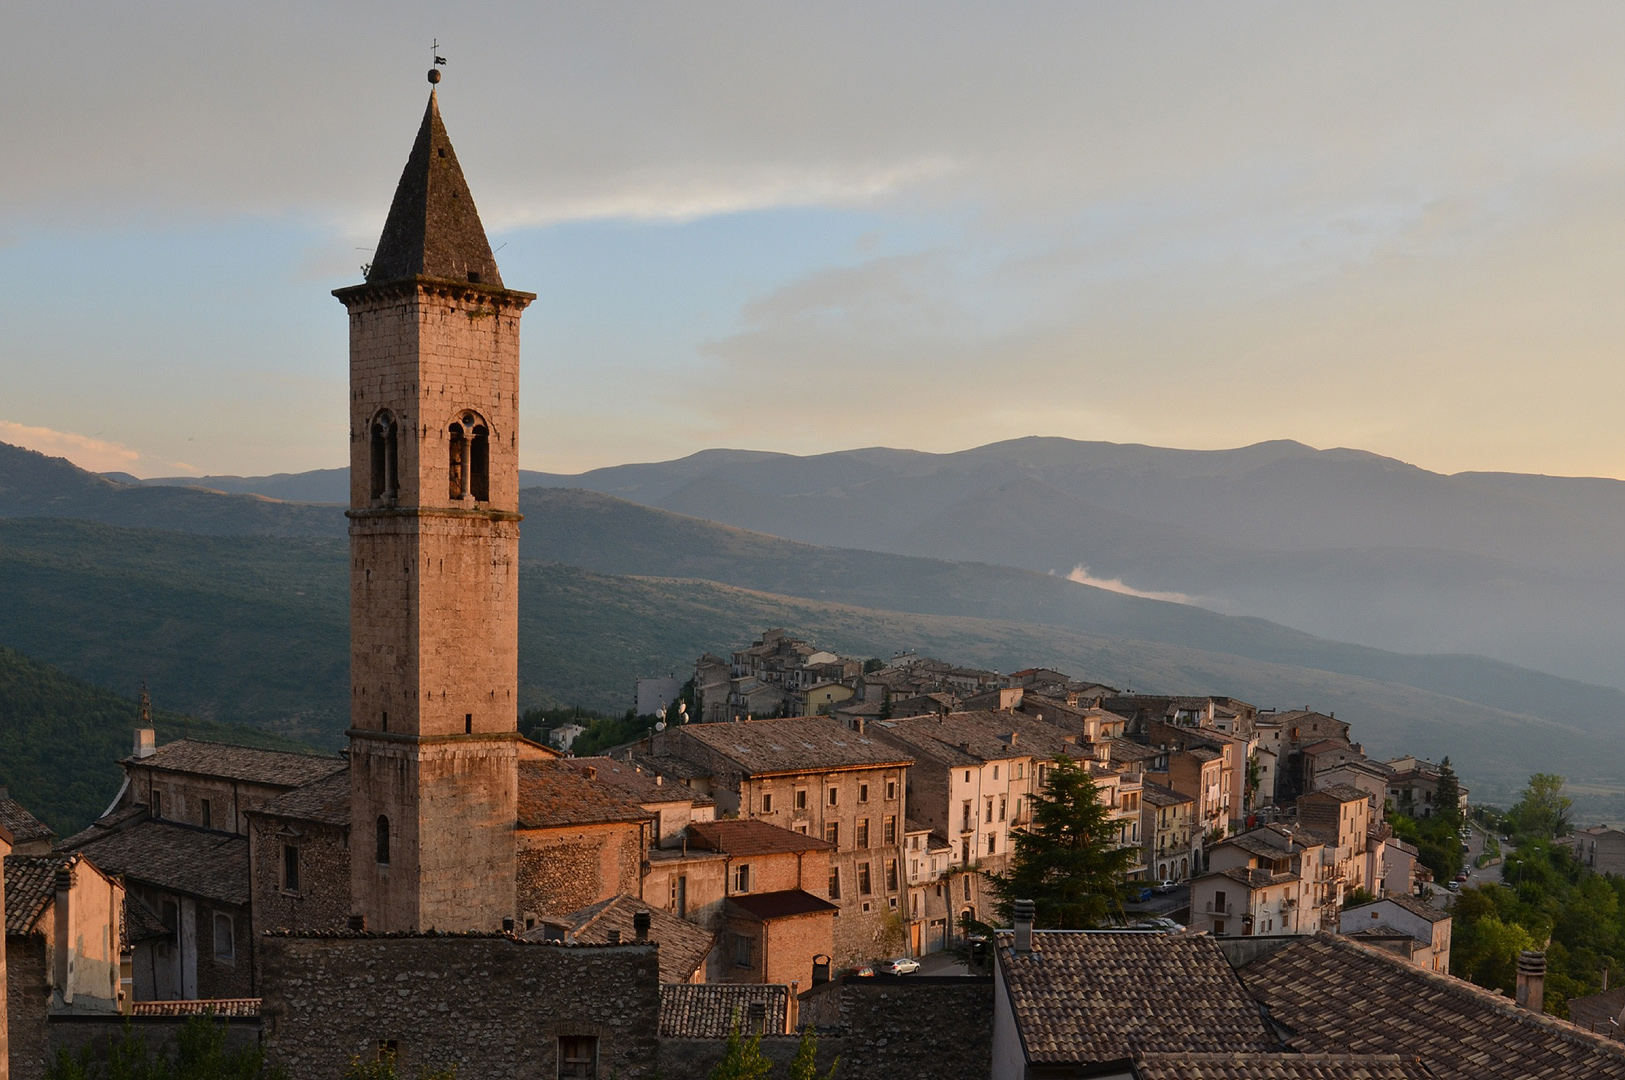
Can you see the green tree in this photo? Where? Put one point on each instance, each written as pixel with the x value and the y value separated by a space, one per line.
pixel 387 1067
pixel 200 1054
pixel 1542 811
pixel 1447 796
pixel 743 1059
pixel 1069 863
pixel 804 1066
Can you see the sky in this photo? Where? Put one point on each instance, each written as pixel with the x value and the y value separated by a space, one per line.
pixel 812 227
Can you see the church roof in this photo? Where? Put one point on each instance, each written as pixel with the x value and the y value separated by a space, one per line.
pixel 433 229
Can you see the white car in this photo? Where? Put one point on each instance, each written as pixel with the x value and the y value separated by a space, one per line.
pixel 903 965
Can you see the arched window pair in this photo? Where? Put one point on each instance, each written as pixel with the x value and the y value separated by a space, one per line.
pixel 470 472
pixel 386 484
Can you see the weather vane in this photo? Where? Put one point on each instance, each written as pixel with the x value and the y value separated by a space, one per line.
pixel 439 61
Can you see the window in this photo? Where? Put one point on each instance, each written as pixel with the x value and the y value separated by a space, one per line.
pixel 1001 807
pixel 863 833
pixel 801 798
pixel 995 772
pixel 1040 774
pixel 865 886
pixel 891 790
pixel 383 840
pixel 967 886
pixel 863 793
pixel 225 941
pixel 965 817
pixel 992 843
pixel 990 811
pixel 891 829
pixel 742 877
pixel 967 776
pixel 157 804
pixel 891 875
pixel 964 851
pixel 834 796
pixel 578 1057
pixel 385 475
pixel 290 868
pixel 678 904
pixel 832 833
pixel 801 827
pixel 468 723
pixel 1019 770
pixel 742 950
pixel 767 802
pixel 203 812
pixel 468 470
pixel 834 883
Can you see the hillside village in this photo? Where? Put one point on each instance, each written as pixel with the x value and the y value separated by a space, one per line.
pixel 812 843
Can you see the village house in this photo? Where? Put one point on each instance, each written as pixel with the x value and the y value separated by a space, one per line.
pixel 1406 926
pixel 813 775
pixel 684 946
pixel 1341 816
pixel 30 835
pixel 1198 772
pixel 1270 877
pixel 64 921
pixel 1284 735
pixel 930 897
pixel 1173 842
pixel 299 857
pixel 1412 784
pixel 579 841
pixel 1601 847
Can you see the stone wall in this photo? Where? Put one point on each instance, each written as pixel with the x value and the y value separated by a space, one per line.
pixel 693 1059
pixel 494 1006
pixel 322 901
pixel 564 870
pixel 28 996
pixel 74 1033
pixel 903 1026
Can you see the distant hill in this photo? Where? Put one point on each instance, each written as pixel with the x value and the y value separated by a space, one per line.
pixel 34 485
pixel 330 486
pixel 61 738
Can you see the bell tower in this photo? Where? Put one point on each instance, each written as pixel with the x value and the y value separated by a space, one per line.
pixel 434 544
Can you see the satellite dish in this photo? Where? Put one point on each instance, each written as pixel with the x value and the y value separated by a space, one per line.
pixel 682 706
pixel 660 725
pixel 660 713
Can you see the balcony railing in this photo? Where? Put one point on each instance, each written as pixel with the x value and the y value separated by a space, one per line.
pixel 1223 909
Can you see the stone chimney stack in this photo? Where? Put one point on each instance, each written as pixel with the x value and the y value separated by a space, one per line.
pixel 1024 911
pixel 63 946
pixel 1531 992
pixel 146 743
pixel 640 925
pixel 615 936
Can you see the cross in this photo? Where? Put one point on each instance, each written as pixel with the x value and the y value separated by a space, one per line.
pixel 434 50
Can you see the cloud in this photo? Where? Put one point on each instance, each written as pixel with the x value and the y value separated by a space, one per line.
pixel 96 455
pixel 1081 575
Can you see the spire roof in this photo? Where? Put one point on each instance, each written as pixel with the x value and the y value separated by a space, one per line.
pixel 433 229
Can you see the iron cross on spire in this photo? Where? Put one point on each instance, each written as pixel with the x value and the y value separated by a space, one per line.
pixel 439 61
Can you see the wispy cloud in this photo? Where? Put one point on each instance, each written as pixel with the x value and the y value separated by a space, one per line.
pixel 87 452
pixel 1081 575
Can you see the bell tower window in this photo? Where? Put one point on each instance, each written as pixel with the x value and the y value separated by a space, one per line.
pixel 469 463
pixel 385 471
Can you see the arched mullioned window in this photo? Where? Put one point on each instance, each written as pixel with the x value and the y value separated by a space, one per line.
pixel 385 458
pixel 383 840
pixel 469 472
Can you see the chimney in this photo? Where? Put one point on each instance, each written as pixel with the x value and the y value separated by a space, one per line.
pixel 614 937
pixel 64 932
pixel 146 743
pixel 1531 992
pixel 640 925
pixel 820 972
pixel 1024 925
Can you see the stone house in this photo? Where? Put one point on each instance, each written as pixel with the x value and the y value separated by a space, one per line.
pixel 1200 773
pixel 684 946
pixel 579 841
pixel 1601 847
pixel 1284 735
pixel 673 806
pixel 1263 881
pixel 213 785
pixel 1412 928
pixel 1357 771
pixel 30 835
pixel 1413 784
pixel 64 940
pixel 928 856
pixel 776 914
pixel 712 677
pixel 1173 843
pixel 815 776
pixel 299 857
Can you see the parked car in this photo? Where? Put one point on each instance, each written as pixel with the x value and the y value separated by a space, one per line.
pixel 1453 886
pixel 903 965
pixel 1463 876
pixel 1167 886
pixel 1138 893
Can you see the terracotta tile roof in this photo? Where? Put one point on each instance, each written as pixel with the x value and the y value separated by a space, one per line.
pixel 797 744
pixel 780 905
pixel 102 826
pixel 1420 908
pixel 1340 792
pixel 30 886
pixel 1327 744
pixel 984 736
pixel 683 945
pixel 221 1007
pixel 1333 995
pixel 1129 750
pixel 1599 1012
pixel 708 1010
pixel 327 801
pixel 552 794
pixel 1082 997
pixel 745 836
pixel 1278 1067
pixel 275 768
pixel 1252 879
pixel 1204 753
pixel 634 783
pixel 24 827
pixel 1157 795
pixel 179 858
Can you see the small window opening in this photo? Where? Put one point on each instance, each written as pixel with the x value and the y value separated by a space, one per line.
pixel 385 474
pixel 457 476
pixel 468 724
pixel 208 822
pixel 480 481
pixel 578 1057
pixel 469 473
pixel 386 719
pixel 290 868
pixel 225 942
pixel 383 840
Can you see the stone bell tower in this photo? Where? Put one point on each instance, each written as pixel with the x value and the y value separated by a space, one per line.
pixel 434 545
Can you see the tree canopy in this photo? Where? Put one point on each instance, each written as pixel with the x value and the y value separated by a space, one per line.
pixel 1069 862
pixel 1542 811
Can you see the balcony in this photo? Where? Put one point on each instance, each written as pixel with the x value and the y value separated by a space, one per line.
pixel 1222 909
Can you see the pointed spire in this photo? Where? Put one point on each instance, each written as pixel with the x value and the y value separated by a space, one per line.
pixel 433 229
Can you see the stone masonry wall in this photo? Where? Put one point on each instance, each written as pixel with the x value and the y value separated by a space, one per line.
pixel 322 901
pixel 564 870
pixel 28 996
pixel 890 1027
pixel 491 1005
